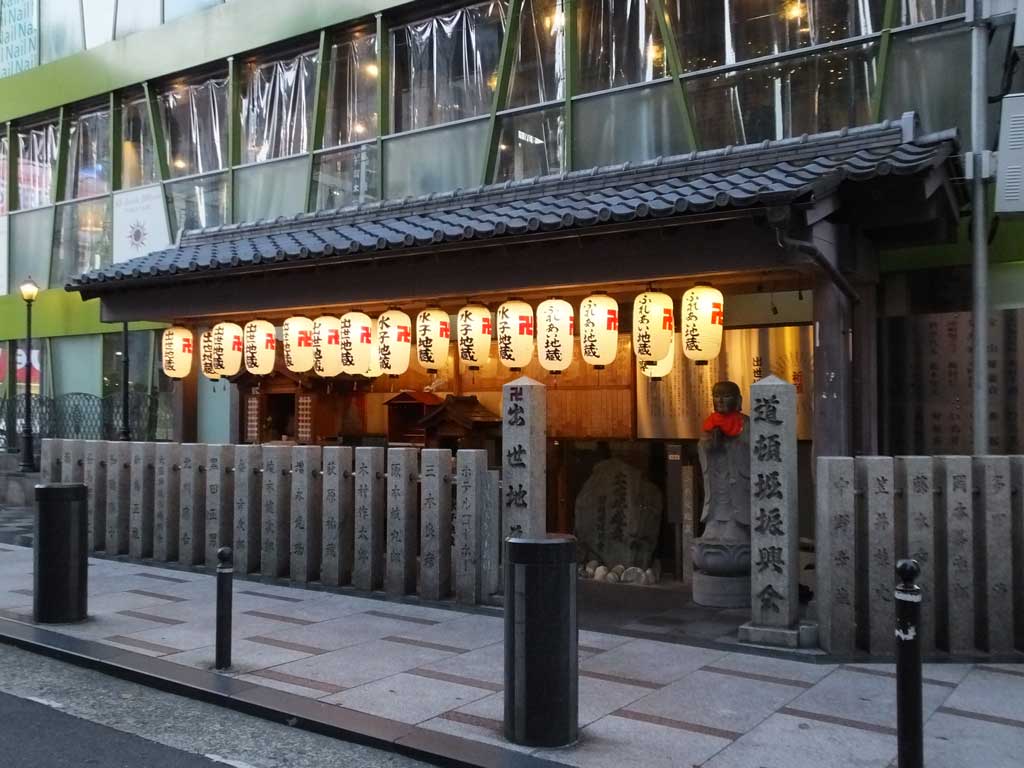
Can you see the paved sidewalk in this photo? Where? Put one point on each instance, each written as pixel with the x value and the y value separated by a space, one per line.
pixel 427 669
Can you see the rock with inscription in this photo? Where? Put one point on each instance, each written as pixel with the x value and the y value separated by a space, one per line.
pixel 338 508
pixel 370 521
pixel 491 539
pixel 72 464
pixel 524 473
pixel 916 525
pixel 305 544
pixel 50 460
pixel 166 494
pixel 247 491
pixel 400 568
pixel 955 476
pixel 472 481
pixel 192 500
pixel 118 497
pixel 435 582
pixel 140 542
pixel 95 479
pixel 836 554
pixel 877 525
pixel 275 518
pixel 995 533
pixel 220 492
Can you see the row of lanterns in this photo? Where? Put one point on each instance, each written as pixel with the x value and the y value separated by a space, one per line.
pixel 356 344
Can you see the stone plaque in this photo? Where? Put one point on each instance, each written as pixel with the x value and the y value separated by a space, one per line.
pixel 994 568
pixel 436 524
pixel 370 496
pixel 192 499
pixel 688 506
pixel 836 554
pixel 1017 533
pixel 72 464
pixel 275 521
pixel 524 414
pixel 472 486
pixel 118 497
pixel 220 491
pixel 876 538
pixel 338 503
pixel 166 495
pixel 400 570
pixel 95 479
pixel 915 533
pixel 955 474
pixel 49 460
pixel 248 479
pixel 143 483
pixel 306 541
pixel 490 538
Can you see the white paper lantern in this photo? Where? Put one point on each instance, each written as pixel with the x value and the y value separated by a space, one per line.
pixel 260 347
pixel 475 334
pixel 373 369
pixel 356 342
pixel 662 368
pixel 297 341
pixel 515 334
pixel 556 323
pixel 433 334
pixel 227 349
pixel 176 352
pixel 394 332
pixel 599 330
pixel 327 346
pixel 206 356
pixel 702 322
pixel 653 326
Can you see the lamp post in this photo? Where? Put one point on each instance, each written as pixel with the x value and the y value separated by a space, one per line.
pixel 29 290
pixel 126 433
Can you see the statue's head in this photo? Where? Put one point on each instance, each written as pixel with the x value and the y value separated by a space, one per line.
pixel 726 397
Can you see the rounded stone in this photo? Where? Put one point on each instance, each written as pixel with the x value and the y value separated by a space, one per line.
pixel 721 591
pixel 618 570
pixel 588 571
pixel 600 573
pixel 633 575
pixel 592 565
pixel 649 577
pixel 612 577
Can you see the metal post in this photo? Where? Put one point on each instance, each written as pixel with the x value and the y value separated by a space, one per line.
pixel 979 229
pixel 28 459
pixel 126 430
pixel 909 720
pixel 225 578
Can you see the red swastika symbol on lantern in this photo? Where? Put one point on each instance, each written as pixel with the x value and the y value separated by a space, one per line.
pixel 236 344
pixel 485 326
pixel 186 345
pixel 365 337
pixel 305 339
pixel 572 325
pixel 666 321
pixel 271 342
pixel 717 315
pixel 613 320
pixel 525 325
pixel 334 336
pixel 443 330
pixel 403 333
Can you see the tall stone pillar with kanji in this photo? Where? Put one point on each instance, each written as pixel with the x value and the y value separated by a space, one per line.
pixel 524 458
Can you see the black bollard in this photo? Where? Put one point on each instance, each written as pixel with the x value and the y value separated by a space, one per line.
pixel 909 720
pixel 60 554
pixel 225 586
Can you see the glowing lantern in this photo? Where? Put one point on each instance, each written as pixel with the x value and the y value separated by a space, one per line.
pixel 433 334
pixel 554 339
pixel 515 334
pixel 653 326
pixel 394 342
pixel 297 337
pixel 599 330
pixel 356 342
pixel 227 349
pixel 327 346
pixel 702 323
pixel 176 352
pixel 373 368
pixel 658 370
pixel 206 356
pixel 475 333
pixel 259 347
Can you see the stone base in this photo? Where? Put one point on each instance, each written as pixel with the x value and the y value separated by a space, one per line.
pixel 804 635
pixel 721 591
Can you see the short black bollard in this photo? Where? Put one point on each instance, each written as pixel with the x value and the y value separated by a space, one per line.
pixel 541 666
pixel 60 554
pixel 225 587
pixel 909 721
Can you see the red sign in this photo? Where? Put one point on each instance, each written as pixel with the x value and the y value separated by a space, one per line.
pixel 667 323
pixel 305 339
pixel 403 334
pixel 365 337
pixel 717 315
pixel 236 344
pixel 186 345
pixel 525 325
pixel 485 326
pixel 271 342
pixel 334 337
pixel 613 320
pixel 444 331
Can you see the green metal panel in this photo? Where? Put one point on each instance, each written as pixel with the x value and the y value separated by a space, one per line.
pixel 57 313
pixel 571 71
pixel 508 48
pixel 234 129
pixel 12 168
pixel 383 97
pixel 316 128
pixel 60 171
pixel 116 159
pixel 156 129
pixel 675 64
pixel 889 20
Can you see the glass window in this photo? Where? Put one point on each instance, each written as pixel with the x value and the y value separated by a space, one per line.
pixel 136 15
pixel 271 190
pixel 820 92
pixel 99 21
pixel 538 69
pixel 530 144
pixel 199 202
pixel 175 8
pixel 76 365
pixel 633 125
pixel 37 157
pixel 277 106
pixel 31 240
pixel 61 31
pixel 351 114
pixel 435 161
pixel 445 68
pixel 140 350
pixel 20 36
pixel 81 240
pixel 346 176
pixel 917 11
pixel 88 155
pixel 4 165
pixel 195 119
pixel 620 43
pixel 138 155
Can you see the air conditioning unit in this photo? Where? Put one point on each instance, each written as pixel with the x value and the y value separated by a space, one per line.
pixel 1010 175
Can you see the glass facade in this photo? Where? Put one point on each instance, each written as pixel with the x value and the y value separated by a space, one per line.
pixel 138 150
pixel 37 160
pixel 194 115
pixel 88 172
pixel 81 239
pixel 351 110
pixel 531 144
pixel 199 202
pixel 277 106
pixel 346 176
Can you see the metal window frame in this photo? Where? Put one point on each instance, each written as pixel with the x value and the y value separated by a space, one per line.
pixel 509 43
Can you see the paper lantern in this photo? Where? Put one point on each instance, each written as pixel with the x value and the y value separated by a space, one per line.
pixel 227 349
pixel 702 323
pixel 260 347
pixel 394 347
pixel 433 334
pixel 327 346
pixel 555 319
pixel 662 368
pixel 356 342
pixel 176 352
pixel 653 326
pixel 297 341
pixel 373 368
pixel 515 334
pixel 475 334
pixel 599 330
pixel 206 356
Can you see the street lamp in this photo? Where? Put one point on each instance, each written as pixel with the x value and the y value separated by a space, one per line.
pixel 29 290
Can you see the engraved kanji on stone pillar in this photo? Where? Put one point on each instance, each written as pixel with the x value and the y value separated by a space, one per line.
pixel 370 495
pixel 220 493
pixel 338 498
pixel 50 460
pixel 275 518
pixel 95 479
pixel 524 426
pixel 956 625
pixel 916 530
pixel 876 538
pixel 166 495
pixel 1017 547
pixel 686 524
pixel 490 537
pixel 192 519
pixel 400 569
pixel 118 497
pixel 472 481
pixel 306 539
pixel 140 542
pixel 435 524
pixel 994 575
pixel 248 484
pixel 835 554
pixel 774 524
pixel 72 464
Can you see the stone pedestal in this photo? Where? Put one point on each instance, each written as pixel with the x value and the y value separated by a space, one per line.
pixel 166 496
pixel 192 498
pixel 95 479
pixel 119 490
pixel 957 621
pixel 915 534
pixel 140 543
pixel 470 502
pixel 994 576
pixel 338 516
pixel 72 464
pixel 275 521
pixel 400 571
pixel 524 464
pixel 49 460
pixel 306 541
pixel 435 523
pixel 876 524
pixel 368 568
pixel 836 554
pixel 721 591
pixel 220 498
pixel 248 482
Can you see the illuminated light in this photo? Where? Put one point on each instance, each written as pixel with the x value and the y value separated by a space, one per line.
pixel 702 322
pixel 475 333
pixel 433 335
pixel 794 11
pixel 492 81
pixel 227 349
pixel 653 326
pixel 599 330
pixel 555 327
pixel 356 342
pixel 176 352
pixel 554 21
pixel 206 356
pixel 259 349
pixel 656 371
pixel 180 164
pixel 515 333
pixel 327 346
pixel 372 70
pixel 359 128
pixel 297 344
pixel 394 346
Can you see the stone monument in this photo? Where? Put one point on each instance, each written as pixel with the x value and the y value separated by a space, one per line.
pixel 722 555
pixel 524 470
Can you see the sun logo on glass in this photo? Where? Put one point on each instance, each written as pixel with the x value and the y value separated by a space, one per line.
pixel 137 235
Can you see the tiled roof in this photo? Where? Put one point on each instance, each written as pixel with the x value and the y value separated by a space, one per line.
pixel 766 174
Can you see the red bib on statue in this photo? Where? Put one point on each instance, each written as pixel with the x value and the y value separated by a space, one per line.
pixel 731 424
